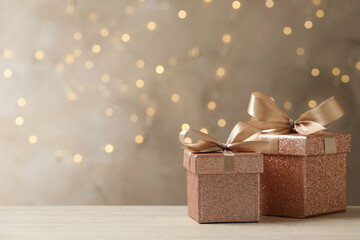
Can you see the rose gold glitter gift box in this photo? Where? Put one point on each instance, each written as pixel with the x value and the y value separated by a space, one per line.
pixel 302 181
pixel 214 196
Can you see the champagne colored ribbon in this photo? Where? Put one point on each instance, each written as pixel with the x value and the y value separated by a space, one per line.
pixel 240 140
pixel 271 120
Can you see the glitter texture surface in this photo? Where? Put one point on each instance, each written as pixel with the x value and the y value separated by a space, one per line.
pixel 308 185
pixel 296 144
pixel 213 163
pixel 217 197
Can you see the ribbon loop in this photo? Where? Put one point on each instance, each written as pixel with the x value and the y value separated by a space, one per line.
pixel 239 140
pixel 273 120
pixel 264 108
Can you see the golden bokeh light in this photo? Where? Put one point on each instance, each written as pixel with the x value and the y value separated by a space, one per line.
pixel 139 83
pixel 182 14
pixel 221 123
pixel 320 13
pixel 236 4
pixel 59 67
pixel 308 24
pixel 316 2
pixel 140 63
pixel 89 64
pixel 105 78
pixel 192 52
pixel 204 130
pixel 150 111
pixel 124 87
pixel 139 139
pixel 129 10
pixel 19 121
pixel 33 139
pixel 315 72
pixel 70 9
pixel 21 102
pixel 109 112
pixel 226 38
pixel 77 53
pixel 175 97
pixel 287 30
pixel 151 25
pixel 96 48
pixel 7 53
pixel 287 105
pixel 312 104
pixel 109 148
pixel 125 37
pixel 207 1
pixel 185 126
pixel 188 140
pixel 92 16
pixel 345 78
pixel 159 69
pixel 269 3
pixel 357 65
pixel 104 32
pixel 336 71
pixel 39 55
pixel 211 105
pixel 300 51
pixel 69 58
pixel 59 154
pixel 77 36
pixel 71 96
pixel 8 73
pixel 77 158
pixel 220 72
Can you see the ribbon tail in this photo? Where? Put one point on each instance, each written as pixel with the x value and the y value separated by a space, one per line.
pixel 210 144
pixel 243 131
pixel 308 127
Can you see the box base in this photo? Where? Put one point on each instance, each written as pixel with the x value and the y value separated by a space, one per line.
pixel 220 198
pixel 303 186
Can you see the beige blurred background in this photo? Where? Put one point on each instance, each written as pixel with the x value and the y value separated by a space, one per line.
pixel 93 94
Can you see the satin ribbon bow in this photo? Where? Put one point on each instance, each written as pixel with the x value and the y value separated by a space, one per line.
pixel 273 120
pixel 239 140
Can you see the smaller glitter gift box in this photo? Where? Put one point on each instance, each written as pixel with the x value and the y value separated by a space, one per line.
pixel 304 167
pixel 223 179
pixel 214 196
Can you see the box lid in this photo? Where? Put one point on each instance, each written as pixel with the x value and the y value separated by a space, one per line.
pixel 314 144
pixel 213 163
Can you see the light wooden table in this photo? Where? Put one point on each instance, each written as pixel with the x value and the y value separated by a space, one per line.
pixel 162 222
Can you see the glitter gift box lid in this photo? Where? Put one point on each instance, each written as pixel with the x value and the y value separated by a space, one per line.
pixel 213 163
pixel 305 145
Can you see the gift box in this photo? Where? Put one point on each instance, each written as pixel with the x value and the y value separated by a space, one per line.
pixel 215 196
pixel 304 167
pixel 301 180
